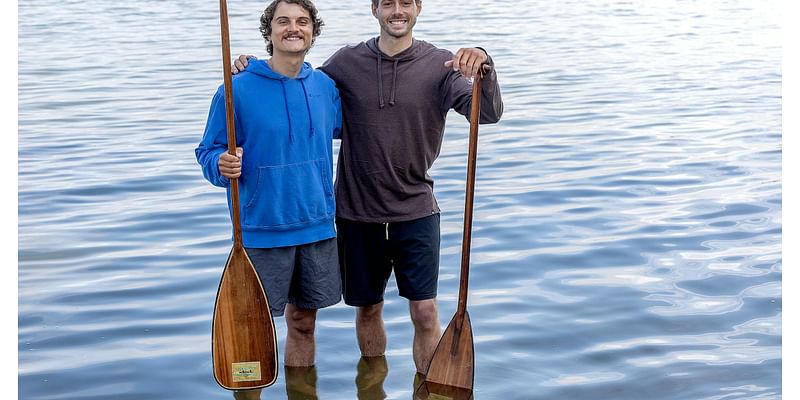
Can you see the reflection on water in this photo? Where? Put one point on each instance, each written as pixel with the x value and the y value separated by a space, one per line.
pixel 436 391
pixel 427 390
pixel 370 375
pixel 301 383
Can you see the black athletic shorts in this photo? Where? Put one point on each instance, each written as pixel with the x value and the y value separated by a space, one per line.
pixel 369 252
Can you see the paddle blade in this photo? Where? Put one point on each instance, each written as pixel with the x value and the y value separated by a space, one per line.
pixel 244 346
pixel 451 374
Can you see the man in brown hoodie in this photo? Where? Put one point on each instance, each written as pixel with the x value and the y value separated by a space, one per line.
pixel 396 92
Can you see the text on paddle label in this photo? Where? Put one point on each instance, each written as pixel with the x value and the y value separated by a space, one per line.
pixel 246 371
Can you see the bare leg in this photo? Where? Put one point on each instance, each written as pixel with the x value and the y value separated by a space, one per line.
pixel 370 330
pixel 427 332
pixel 299 336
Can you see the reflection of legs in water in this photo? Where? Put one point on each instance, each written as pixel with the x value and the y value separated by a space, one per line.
pixel 418 379
pixel 370 374
pixel 254 394
pixel 301 383
pixel 430 390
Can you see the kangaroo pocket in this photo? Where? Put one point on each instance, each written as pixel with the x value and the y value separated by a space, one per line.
pixel 289 196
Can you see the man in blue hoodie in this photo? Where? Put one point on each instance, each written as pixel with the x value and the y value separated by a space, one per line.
pixel 286 116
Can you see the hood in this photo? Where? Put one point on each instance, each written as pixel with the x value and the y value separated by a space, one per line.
pixel 262 68
pixel 418 49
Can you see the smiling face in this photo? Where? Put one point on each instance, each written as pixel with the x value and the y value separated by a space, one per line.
pixel 396 17
pixel 292 29
pixel 290 26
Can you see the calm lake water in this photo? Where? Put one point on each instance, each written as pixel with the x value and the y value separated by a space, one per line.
pixel 627 234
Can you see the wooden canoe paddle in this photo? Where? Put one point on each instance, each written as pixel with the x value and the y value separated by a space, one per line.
pixel 451 374
pixel 243 342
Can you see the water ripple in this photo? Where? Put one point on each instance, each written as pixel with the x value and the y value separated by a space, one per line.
pixel 627 239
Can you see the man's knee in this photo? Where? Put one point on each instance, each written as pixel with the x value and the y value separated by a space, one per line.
pixel 424 314
pixel 301 321
pixel 370 313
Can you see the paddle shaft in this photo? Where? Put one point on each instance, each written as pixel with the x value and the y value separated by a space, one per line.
pixel 451 364
pixel 474 117
pixel 226 66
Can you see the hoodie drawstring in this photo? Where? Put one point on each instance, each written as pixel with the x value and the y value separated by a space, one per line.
pixel 381 104
pixel 380 85
pixel 286 107
pixel 394 82
pixel 308 108
pixel 289 116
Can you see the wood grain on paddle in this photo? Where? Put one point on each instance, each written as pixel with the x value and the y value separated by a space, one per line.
pixel 453 362
pixel 243 342
pixel 244 345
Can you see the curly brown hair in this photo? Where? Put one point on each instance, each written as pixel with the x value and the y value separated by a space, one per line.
pixel 269 12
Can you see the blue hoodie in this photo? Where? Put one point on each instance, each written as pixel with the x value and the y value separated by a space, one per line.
pixel 285 126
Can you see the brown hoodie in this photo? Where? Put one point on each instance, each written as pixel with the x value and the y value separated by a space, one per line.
pixel 394 111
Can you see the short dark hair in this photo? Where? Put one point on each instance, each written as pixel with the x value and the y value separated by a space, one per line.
pixel 269 12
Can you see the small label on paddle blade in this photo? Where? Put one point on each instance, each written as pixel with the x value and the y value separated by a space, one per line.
pixel 246 371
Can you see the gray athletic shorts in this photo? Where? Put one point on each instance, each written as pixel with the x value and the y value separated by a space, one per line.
pixel 306 275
